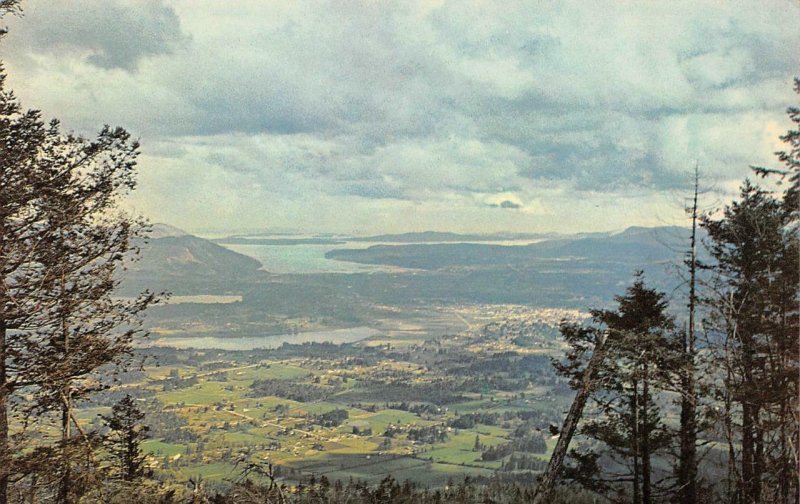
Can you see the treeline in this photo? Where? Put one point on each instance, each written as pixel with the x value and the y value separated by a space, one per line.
pixel 392 491
pixel 702 406
pixel 438 392
pixel 528 444
pixel 290 389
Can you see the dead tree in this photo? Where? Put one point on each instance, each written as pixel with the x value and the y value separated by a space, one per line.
pixel 546 485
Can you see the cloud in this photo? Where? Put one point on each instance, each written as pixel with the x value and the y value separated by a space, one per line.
pixel 446 108
pixel 109 34
pixel 507 204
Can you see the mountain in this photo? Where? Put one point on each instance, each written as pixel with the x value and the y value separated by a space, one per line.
pixel 161 230
pixel 239 240
pixel 173 260
pixel 633 246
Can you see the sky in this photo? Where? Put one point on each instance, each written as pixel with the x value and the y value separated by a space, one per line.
pixel 378 116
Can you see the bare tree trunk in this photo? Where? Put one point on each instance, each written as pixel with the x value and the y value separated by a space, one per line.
pixel 66 469
pixel 797 467
pixel 637 494
pixel 748 452
pixel 544 489
pixel 758 456
pixel 66 409
pixel 32 494
pixel 66 437
pixel 645 445
pixel 786 476
pixel 751 431
pixel 785 471
pixel 734 487
pixel 687 463
pixel 4 447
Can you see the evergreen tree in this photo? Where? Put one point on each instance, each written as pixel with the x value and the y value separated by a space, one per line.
pixel 85 329
pixel 125 438
pixel 639 356
pixel 754 308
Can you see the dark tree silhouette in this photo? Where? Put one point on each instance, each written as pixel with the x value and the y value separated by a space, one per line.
pixel 753 313
pixel 125 439
pixel 639 354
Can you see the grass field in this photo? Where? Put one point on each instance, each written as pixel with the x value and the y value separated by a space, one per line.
pixel 229 423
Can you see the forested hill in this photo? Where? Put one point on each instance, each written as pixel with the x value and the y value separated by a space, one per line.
pixel 635 246
pixel 170 255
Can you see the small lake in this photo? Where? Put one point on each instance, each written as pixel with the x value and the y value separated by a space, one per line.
pixel 337 336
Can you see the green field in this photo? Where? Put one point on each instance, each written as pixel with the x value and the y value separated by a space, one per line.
pixel 208 419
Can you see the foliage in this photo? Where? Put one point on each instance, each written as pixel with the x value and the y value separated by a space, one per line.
pixel 289 389
pixel 125 437
pixel 63 240
pixel 640 357
pixel 333 418
pixel 753 322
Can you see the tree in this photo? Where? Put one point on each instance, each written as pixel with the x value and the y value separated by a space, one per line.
pixel 20 133
pixel 582 379
pixel 62 241
pixel 125 438
pixel 639 354
pixel 477 446
pixel 754 310
pixel 748 245
pixel 687 434
pixel 84 329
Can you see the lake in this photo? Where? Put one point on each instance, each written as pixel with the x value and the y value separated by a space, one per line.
pixel 337 336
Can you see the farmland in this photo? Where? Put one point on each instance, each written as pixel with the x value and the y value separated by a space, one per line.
pixel 430 409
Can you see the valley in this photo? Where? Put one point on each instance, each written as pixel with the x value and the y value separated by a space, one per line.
pixel 426 360
pixel 474 402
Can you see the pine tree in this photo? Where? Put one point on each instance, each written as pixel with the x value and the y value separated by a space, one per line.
pixel 125 438
pixel 754 311
pixel 85 328
pixel 639 356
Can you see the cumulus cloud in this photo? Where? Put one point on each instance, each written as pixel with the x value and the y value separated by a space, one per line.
pixel 107 33
pixel 444 108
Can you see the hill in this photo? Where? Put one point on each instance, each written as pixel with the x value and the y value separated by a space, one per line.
pixel 240 240
pixel 174 260
pixel 633 246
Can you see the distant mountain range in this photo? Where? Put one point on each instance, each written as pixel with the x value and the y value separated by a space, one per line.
pixel 416 237
pixel 243 240
pixel 635 245
pixel 580 271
